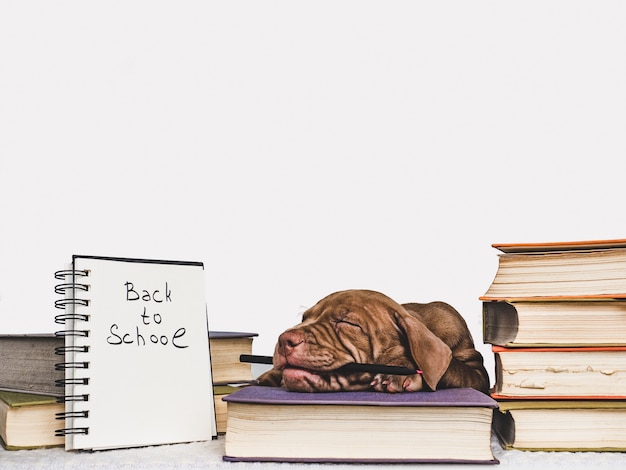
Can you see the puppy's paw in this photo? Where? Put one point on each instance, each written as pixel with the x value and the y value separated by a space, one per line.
pixel 271 378
pixel 397 383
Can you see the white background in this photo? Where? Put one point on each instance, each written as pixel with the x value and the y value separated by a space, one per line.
pixel 300 148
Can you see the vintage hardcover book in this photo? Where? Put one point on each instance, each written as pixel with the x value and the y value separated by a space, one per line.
pixel 585 372
pixel 272 424
pixel 226 347
pixel 565 271
pixel 219 392
pixel 28 363
pixel 136 338
pixel 28 421
pixel 562 425
pixel 555 323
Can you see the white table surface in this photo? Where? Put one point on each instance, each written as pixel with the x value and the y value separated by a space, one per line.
pixel 208 455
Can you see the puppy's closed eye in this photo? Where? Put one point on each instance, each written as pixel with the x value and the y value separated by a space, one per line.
pixel 349 323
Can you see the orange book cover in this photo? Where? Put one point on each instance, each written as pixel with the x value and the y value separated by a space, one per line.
pixel 560 246
pixel 498 397
pixel 542 298
pixel 498 349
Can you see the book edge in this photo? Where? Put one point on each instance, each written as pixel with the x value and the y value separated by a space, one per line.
pixel 553 298
pixel 139 260
pixel 455 397
pixel 220 334
pixel 502 349
pixel 228 458
pixel 563 245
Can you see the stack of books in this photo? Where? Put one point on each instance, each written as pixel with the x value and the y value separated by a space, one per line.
pixel 28 396
pixel 229 373
pixel 555 315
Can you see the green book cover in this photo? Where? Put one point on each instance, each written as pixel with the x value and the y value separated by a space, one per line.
pixel 17 399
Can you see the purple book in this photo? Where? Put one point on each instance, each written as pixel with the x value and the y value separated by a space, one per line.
pixel 272 424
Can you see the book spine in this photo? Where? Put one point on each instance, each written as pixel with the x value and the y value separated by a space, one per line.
pixel 500 323
pixel 75 331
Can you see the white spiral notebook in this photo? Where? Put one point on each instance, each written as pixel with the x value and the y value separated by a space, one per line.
pixel 136 355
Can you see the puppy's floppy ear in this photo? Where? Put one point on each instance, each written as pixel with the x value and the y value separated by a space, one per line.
pixel 431 354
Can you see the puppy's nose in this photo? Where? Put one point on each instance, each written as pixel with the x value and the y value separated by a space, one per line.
pixel 290 340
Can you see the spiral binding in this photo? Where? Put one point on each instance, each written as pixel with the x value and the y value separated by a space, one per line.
pixel 67 431
pixel 63 319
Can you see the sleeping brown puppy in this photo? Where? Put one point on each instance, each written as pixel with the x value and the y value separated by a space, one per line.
pixel 368 327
